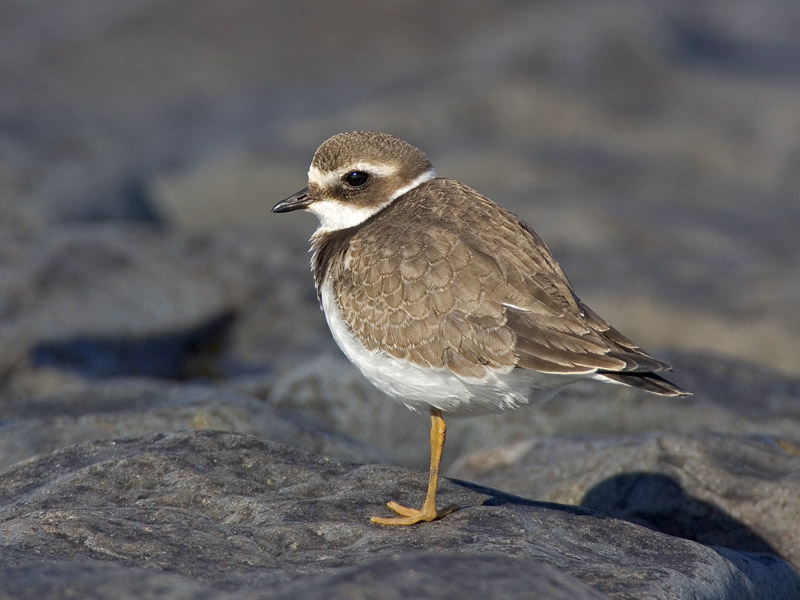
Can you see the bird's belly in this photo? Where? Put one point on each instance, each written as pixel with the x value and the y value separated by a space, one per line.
pixel 427 387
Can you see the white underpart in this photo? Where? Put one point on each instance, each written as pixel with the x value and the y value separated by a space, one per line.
pixel 334 214
pixel 425 388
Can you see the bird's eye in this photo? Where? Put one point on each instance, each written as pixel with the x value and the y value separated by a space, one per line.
pixel 356 178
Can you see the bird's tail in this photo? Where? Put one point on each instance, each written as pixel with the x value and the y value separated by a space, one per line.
pixel 649 382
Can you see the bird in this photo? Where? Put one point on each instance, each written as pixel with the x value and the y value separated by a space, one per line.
pixel 444 300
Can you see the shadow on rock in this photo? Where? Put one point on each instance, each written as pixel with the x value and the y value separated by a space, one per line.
pixel 659 503
pixel 500 498
pixel 181 354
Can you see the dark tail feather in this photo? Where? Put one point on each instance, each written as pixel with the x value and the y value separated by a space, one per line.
pixel 650 382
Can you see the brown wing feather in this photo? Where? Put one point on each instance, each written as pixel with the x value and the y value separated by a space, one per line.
pixel 444 277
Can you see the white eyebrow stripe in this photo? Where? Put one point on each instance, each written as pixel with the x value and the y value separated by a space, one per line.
pixel 327 179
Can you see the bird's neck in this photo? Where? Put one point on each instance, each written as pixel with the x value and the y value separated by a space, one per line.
pixel 326 247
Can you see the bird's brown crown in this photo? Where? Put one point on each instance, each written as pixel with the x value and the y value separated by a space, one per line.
pixel 370 147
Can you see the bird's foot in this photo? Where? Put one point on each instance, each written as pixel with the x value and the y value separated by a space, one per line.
pixel 412 516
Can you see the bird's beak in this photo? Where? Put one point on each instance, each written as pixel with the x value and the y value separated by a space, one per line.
pixel 294 202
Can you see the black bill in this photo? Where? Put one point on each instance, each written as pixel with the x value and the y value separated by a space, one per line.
pixel 294 202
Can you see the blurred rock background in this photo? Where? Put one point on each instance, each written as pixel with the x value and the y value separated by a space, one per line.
pixel 145 286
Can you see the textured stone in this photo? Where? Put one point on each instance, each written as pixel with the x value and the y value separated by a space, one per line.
pixel 726 490
pixel 127 408
pixel 114 300
pixel 107 301
pixel 233 511
pixel 433 576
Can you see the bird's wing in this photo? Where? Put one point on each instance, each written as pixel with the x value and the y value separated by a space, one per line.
pixel 467 286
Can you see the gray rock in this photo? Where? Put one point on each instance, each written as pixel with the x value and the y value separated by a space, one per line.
pixel 121 300
pixel 100 580
pixel 232 511
pixel 105 301
pixel 127 408
pixel 441 576
pixel 433 576
pixel 736 491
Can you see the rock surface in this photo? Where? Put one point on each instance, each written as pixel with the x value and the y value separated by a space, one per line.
pixel 236 512
pixel 721 490
pixel 136 407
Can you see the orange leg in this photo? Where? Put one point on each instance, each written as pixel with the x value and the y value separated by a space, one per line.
pixel 428 512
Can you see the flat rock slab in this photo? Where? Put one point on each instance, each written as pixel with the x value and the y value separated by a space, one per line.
pixel 206 510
